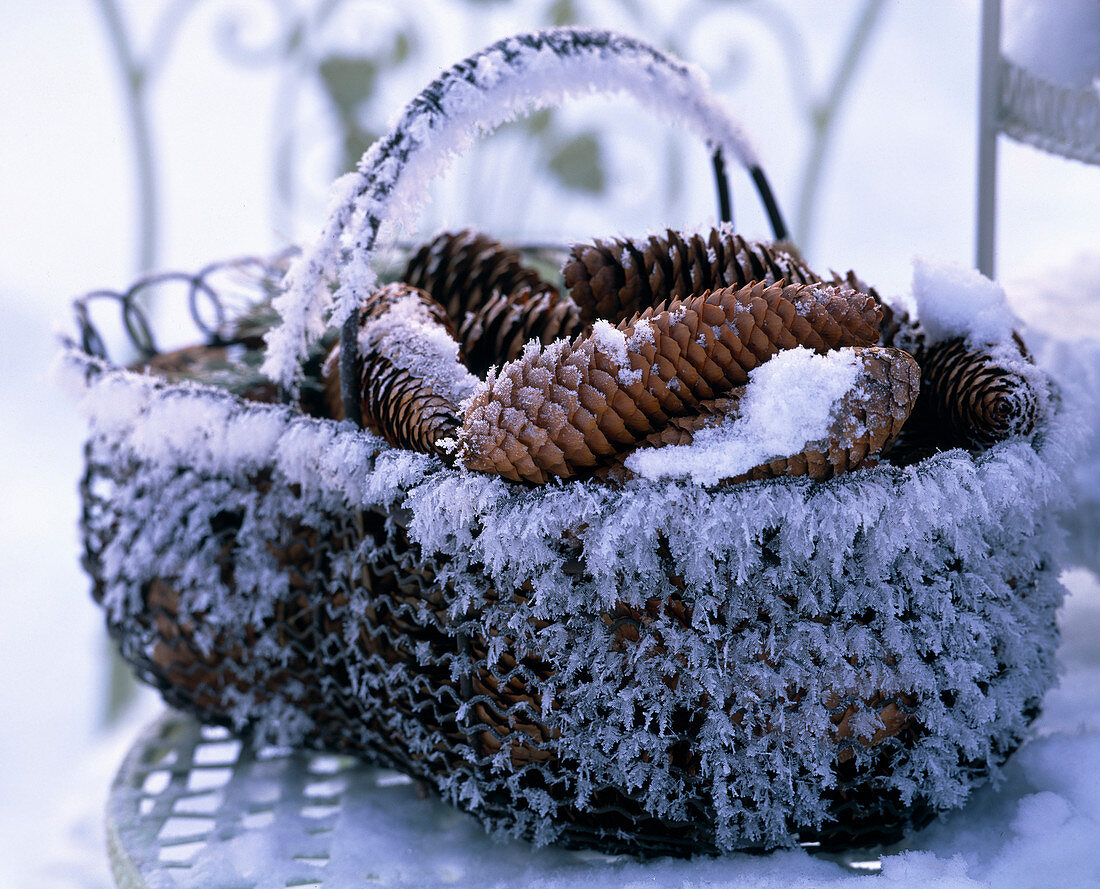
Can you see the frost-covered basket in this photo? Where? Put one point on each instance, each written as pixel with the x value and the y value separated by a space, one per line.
pixel 655 667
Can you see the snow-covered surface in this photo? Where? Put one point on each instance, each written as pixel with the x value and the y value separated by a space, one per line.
pixel 879 214
pixel 1042 821
pixel 1059 42
pixel 790 402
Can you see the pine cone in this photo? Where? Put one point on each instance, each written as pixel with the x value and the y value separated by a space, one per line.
pixel 682 430
pixel 889 325
pixel 867 422
pixel 463 270
pixel 970 398
pixel 410 377
pixel 615 279
pixel 567 409
pixel 497 332
pixel 331 394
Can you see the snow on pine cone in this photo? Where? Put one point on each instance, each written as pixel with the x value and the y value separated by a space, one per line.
pixel 567 409
pixel 464 270
pixel 614 279
pixel 410 371
pixel 866 422
pixel 496 302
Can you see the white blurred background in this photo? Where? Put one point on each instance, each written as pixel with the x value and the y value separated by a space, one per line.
pixel 253 106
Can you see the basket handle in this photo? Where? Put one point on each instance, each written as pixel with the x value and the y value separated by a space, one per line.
pixel 516 75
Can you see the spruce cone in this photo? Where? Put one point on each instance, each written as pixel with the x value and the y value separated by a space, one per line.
pixel 463 270
pixel 615 279
pixel 682 430
pixel 567 409
pixel 970 398
pixel 889 326
pixel 497 332
pixel 409 370
pixel 867 422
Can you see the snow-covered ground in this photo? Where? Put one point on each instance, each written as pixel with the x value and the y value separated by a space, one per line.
pixel 900 183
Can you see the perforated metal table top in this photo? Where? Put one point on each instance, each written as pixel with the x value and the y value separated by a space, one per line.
pixel 192 806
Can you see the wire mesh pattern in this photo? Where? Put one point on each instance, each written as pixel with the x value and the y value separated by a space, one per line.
pixel 360 653
pixel 418 718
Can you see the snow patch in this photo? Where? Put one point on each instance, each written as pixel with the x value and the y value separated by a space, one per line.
pixel 413 340
pixel 789 402
pixel 953 301
pixel 612 342
pixel 518 74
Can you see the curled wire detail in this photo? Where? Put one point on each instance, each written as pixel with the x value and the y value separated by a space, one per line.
pixel 206 294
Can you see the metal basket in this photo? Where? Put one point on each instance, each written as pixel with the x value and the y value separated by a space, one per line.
pixel 739 675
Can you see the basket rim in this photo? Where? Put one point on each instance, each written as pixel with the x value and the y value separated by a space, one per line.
pixel 131 409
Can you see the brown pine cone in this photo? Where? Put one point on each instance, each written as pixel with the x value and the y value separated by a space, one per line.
pixel 867 422
pixel 970 398
pixel 615 279
pixel 497 332
pixel 567 409
pixel 463 270
pixel 410 377
pixel 682 430
pixel 889 325
pixel 698 348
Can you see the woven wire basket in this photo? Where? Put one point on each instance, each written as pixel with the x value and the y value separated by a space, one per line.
pixel 655 668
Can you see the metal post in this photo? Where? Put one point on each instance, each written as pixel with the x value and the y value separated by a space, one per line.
pixel 989 124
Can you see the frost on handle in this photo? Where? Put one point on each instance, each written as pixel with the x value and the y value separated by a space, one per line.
pixel 512 76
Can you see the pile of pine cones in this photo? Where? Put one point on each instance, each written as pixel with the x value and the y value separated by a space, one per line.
pixel 474 357
pixel 653 341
